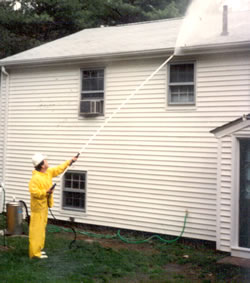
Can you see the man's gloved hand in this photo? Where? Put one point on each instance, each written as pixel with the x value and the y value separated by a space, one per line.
pixel 74 159
pixel 50 190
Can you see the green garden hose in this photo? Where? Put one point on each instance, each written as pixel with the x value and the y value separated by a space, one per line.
pixel 56 229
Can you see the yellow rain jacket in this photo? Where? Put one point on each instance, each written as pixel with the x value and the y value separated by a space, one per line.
pixel 38 186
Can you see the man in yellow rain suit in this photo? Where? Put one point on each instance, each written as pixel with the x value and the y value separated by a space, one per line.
pixel 41 192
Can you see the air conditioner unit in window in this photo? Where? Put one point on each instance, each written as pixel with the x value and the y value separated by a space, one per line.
pixel 91 107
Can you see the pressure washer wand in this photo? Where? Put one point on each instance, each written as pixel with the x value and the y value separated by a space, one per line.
pixel 122 104
pixel 125 102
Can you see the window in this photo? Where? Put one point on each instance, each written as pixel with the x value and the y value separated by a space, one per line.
pixel 181 84
pixel 74 190
pixel 92 92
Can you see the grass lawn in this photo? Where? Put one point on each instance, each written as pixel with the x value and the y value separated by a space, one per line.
pixel 111 260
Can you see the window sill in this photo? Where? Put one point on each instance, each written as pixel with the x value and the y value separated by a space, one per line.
pixel 181 108
pixel 101 117
pixel 73 213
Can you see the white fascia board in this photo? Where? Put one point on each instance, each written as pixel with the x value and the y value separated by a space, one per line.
pixel 95 57
pixel 231 129
pixel 216 48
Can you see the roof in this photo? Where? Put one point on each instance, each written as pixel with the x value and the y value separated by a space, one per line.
pixel 98 42
pixel 231 126
pixel 153 37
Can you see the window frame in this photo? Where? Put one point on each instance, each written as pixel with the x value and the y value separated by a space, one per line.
pixel 81 115
pixel 191 103
pixel 84 191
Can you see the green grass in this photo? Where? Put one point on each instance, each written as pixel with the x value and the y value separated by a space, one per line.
pixel 119 262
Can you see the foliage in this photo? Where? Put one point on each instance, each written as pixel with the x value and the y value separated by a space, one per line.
pixel 34 22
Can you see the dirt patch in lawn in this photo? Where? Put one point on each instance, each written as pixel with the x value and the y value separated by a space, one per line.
pixel 114 244
pixel 170 263
pixel 4 248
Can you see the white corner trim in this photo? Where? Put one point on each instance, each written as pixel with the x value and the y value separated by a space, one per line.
pixel 235 191
pixel 3 72
pixel 218 202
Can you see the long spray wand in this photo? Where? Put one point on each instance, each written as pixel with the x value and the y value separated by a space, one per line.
pixel 120 107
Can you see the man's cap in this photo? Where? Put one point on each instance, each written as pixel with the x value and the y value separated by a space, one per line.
pixel 37 158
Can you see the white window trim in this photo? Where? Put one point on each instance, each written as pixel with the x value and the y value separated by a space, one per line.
pixel 174 105
pixel 81 117
pixel 74 211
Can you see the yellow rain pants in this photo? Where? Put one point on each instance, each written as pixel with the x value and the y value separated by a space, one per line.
pixel 38 186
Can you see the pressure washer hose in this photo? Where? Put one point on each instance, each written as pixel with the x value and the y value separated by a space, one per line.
pixel 26 210
pixel 105 123
pixel 71 227
pixel 118 235
pixel 101 236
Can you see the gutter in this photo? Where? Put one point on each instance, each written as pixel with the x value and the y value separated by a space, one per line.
pixel 215 48
pixel 187 50
pixel 94 57
pixel 4 72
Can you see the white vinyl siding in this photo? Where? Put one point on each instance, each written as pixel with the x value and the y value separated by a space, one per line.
pixel 148 165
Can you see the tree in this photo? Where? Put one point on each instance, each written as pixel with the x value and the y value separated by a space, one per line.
pixel 40 21
pixel 113 12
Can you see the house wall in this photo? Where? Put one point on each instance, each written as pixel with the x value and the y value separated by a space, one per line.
pixel 151 163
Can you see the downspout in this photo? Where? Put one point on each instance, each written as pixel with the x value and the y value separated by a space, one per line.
pixel 5 120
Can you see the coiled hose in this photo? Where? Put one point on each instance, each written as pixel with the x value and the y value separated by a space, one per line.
pixel 53 229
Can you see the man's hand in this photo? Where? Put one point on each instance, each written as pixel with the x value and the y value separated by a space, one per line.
pixel 74 158
pixel 50 190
